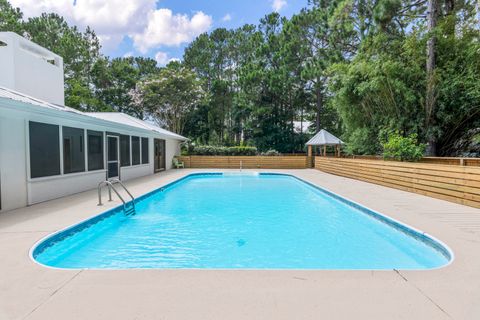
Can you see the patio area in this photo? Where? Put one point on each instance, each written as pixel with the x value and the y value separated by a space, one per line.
pixel 31 291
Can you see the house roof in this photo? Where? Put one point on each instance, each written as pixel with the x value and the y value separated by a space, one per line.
pixel 21 97
pixel 116 117
pixel 134 122
pixel 323 137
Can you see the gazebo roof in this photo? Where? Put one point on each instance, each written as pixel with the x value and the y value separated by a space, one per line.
pixel 323 137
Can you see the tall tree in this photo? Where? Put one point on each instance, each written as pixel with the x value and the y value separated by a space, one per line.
pixel 10 18
pixel 317 44
pixel 115 78
pixel 170 95
pixel 431 92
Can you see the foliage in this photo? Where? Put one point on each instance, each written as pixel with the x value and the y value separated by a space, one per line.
pixel 10 18
pixel 362 141
pixel 398 147
pixel 221 151
pixel 169 95
pixel 116 79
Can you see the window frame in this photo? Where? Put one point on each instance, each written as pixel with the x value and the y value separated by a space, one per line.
pixel 142 160
pixel 128 153
pixel 143 156
pixel 139 155
pixel 83 150
pixel 62 174
pixel 29 150
pixel 87 154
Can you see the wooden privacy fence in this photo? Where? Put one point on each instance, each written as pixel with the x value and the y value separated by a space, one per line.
pixel 460 184
pixel 247 162
pixel 456 161
pixel 474 162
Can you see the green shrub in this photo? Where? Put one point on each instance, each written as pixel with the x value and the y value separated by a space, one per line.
pixel 221 151
pixel 398 147
pixel 241 151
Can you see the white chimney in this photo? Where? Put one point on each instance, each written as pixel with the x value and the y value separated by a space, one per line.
pixel 31 69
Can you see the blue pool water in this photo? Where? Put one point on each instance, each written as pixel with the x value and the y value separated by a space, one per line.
pixel 244 222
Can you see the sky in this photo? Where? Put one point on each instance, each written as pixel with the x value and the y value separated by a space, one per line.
pixel 160 29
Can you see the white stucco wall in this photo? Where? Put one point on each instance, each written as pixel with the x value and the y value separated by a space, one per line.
pixel 13 174
pixel 127 173
pixel 172 148
pixel 24 68
pixel 48 188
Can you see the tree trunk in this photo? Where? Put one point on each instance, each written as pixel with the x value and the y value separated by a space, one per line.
pixel 318 94
pixel 449 6
pixel 430 99
pixel 450 13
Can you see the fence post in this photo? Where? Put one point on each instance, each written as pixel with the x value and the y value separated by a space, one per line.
pixel 309 156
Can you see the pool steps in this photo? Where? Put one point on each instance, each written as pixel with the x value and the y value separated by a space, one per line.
pixel 129 211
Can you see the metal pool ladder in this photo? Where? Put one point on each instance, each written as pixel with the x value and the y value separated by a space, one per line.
pixel 110 184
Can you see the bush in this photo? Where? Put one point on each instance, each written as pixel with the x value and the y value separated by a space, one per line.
pixel 401 148
pixel 221 151
pixel 241 151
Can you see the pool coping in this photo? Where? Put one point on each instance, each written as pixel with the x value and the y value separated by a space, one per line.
pixel 405 228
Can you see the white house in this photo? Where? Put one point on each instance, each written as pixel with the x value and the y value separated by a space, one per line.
pixel 48 150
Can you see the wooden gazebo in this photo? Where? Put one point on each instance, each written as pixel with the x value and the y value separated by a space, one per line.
pixel 324 138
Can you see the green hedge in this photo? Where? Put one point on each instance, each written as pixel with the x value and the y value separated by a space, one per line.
pixel 220 151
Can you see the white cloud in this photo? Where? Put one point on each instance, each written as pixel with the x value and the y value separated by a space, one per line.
pixel 110 41
pixel 278 5
pixel 112 20
pixel 32 8
pixel 113 16
pixel 165 28
pixel 128 54
pixel 227 17
pixel 161 58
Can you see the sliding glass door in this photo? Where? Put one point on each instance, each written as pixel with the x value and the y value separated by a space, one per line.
pixel 159 155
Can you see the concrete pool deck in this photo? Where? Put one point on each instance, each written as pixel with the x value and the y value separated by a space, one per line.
pixel 31 291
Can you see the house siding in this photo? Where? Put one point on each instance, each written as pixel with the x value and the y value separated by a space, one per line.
pixel 19 190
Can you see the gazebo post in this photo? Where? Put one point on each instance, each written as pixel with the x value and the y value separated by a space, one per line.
pixel 309 156
pixel 324 150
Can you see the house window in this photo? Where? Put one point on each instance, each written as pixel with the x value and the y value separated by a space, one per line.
pixel 124 151
pixel 135 150
pixel 73 150
pixel 145 150
pixel 44 150
pixel 95 150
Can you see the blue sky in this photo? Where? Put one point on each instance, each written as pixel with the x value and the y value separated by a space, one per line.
pixel 160 29
pixel 239 12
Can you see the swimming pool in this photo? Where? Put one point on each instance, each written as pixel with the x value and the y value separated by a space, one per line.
pixel 242 221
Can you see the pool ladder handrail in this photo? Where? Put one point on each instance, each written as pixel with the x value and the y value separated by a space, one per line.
pixel 109 184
